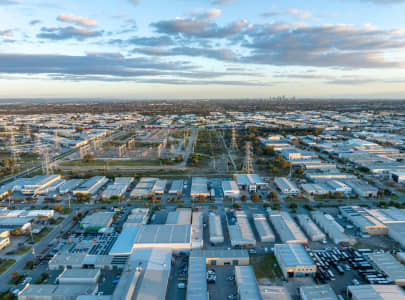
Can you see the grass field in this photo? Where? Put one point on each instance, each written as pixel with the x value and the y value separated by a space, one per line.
pixel 5 264
pixel 265 266
pixel 42 234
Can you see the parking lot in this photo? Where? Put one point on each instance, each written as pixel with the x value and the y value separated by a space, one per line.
pixel 223 287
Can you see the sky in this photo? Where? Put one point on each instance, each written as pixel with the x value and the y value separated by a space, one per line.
pixel 202 49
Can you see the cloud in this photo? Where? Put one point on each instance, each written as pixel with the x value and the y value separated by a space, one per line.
pixel 35 22
pixel 208 14
pixel 7 33
pixel 385 1
pixel 222 2
pixel 200 28
pixel 77 20
pixel 292 12
pixel 134 1
pixel 153 41
pixel 70 32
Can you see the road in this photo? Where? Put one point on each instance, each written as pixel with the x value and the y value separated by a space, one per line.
pixel 39 247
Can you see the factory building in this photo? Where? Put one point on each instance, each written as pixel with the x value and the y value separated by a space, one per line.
pixel 144 188
pixel 215 228
pixel 286 228
pixel 266 234
pixel 197 230
pixel 57 291
pixel 146 275
pixel 159 187
pixel 79 276
pixel 294 260
pixel 362 219
pixel 181 216
pixel 118 188
pixel 371 292
pixel 32 186
pixel 230 189
pixel 249 182
pixel 317 292
pixel 197 281
pixel 240 232
pixel 329 225
pixel 176 187
pixel 199 187
pixel 363 189
pixel 390 266
pixel 91 186
pixel 222 257
pixel 286 186
pixel 246 283
pixel 310 228
pixel 69 185
pixel 138 216
pixel 97 220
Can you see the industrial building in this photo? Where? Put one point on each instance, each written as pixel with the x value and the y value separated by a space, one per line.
pixel 69 185
pixel 329 225
pixel 91 186
pixel 118 188
pixel 199 187
pixel 176 237
pixel 197 281
pixel 215 228
pixel 4 242
pixel 221 257
pixel 294 260
pixel 180 216
pixel 362 219
pixel 79 276
pixel 146 275
pixel 390 266
pixel 176 187
pixel 97 220
pixel 159 187
pixel 144 188
pixel 138 216
pixel 371 292
pixel 266 234
pixel 240 232
pixel 32 186
pixel 317 292
pixel 197 230
pixel 286 186
pixel 363 189
pixel 24 223
pixel 57 291
pixel 310 228
pixel 249 182
pixel 286 228
pixel 246 283
pixel 273 292
pixel 398 177
pixel 230 189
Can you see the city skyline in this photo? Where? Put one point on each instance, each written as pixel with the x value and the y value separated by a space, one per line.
pixel 151 49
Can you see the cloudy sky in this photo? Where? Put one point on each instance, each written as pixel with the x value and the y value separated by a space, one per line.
pixel 137 49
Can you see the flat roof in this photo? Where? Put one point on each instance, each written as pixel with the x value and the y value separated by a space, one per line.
pixel 274 293
pixel 220 253
pixel 164 234
pixel 125 241
pixel 286 227
pixel 293 255
pixel 360 216
pixel 79 273
pixel 197 281
pixel 317 292
pixel 99 219
pixel 377 292
pixel 246 282
pixel 389 265
pixel 59 290
pixel 180 216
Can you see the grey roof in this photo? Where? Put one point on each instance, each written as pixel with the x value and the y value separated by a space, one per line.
pixel 34 291
pixel 246 283
pixel 389 265
pixel 317 292
pixel 286 228
pixel 197 282
pixel 293 255
pixel 164 234
pixel 125 241
pixel 376 292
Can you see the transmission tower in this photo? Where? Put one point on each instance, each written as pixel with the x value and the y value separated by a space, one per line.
pixel 121 150
pixel 46 165
pixel 38 148
pixel 27 131
pixel 248 163
pixel 234 145
pixel 57 145
pixel 12 145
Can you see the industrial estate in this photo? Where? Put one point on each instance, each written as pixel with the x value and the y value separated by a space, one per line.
pixel 222 204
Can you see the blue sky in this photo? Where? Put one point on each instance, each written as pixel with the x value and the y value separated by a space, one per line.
pixel 155 49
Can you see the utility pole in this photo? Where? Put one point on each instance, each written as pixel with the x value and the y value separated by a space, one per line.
pixel 248 163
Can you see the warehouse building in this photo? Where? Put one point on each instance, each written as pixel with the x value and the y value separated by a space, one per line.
pixel 215 228
pixel 388 216
pixel 176 237
pixel 23 223
pixel 180 216
pixel 118 188
pixel 145 276
pixel 329 225
pixel 199 187
pixel 294 260
pixel 286 228
pixel 249 182
pixel 69 185
pixel 240 232
pixel 138 216
pixel 396 231
pixel 32 186
pixel 4 242
pixel 363 189
pixel 79 276
pixel 274 292
pixel 91 186
pixel 310 228
pixel 197 281
pixel 390 266
pixel 317 292
pixel 286 186
pixel 266 234
pixel 57 291
pixel 221 257
pixel 246 283
pixel 124 245
pixel 144 188
pixel 81 260
pixel 97 220
pixel 375 292
pixel 176 187
pixel 197 230
pixel 159 187
pixel 362 219
pixel 230 189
